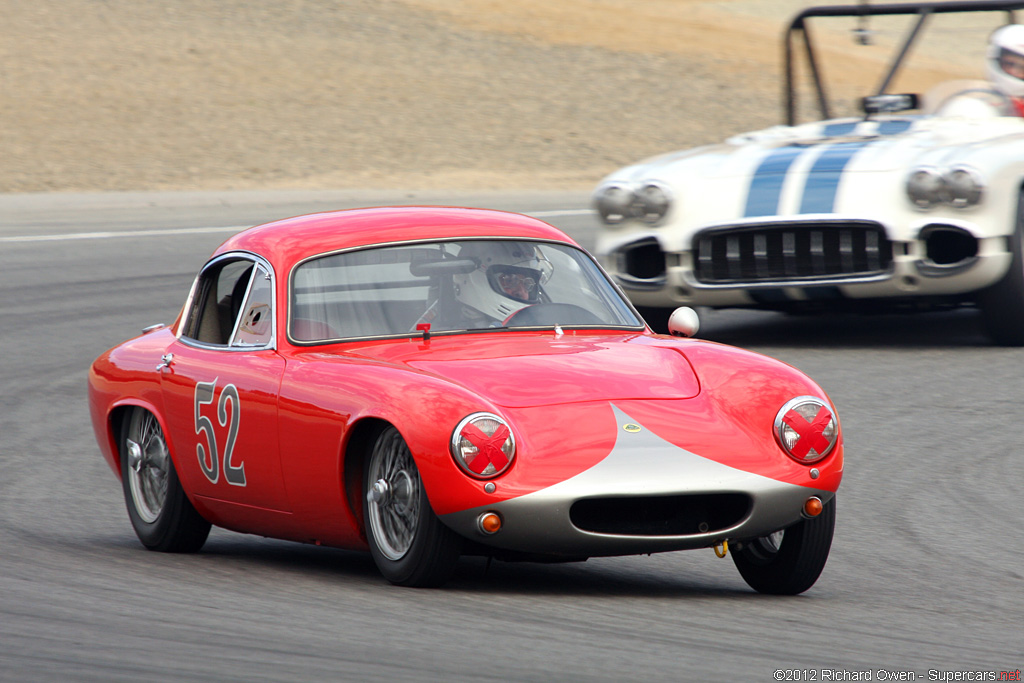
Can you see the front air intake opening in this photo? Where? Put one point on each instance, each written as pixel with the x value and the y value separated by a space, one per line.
pixel 682 515
pixel 643 260
pixel 948 245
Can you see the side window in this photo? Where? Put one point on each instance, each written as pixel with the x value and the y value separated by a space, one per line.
pixel 255 326
pixel 230 294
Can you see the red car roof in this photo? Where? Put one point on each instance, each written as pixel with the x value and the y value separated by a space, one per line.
pixel 285 242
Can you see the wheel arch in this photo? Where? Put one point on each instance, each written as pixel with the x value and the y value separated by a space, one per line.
pixel 118 415
pixel 1002 303
pixel 356 450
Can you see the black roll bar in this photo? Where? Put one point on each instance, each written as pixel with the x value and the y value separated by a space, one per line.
pixel 924 10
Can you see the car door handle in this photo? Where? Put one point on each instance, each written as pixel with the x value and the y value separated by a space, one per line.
pixel 165 361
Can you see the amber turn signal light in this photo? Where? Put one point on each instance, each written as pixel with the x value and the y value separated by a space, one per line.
pixel 813 506
pixel 489 523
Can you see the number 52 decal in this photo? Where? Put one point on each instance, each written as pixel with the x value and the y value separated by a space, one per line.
pixel 209 460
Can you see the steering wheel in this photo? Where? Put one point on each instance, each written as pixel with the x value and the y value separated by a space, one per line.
pixel 552 314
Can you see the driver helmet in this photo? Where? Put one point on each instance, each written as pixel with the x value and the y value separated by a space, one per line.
pixel 507 279
pixel 1005 59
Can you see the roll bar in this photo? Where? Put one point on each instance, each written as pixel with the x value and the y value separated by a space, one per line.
pixel 798 29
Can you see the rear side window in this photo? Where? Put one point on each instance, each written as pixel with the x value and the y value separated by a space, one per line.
pixel 232 305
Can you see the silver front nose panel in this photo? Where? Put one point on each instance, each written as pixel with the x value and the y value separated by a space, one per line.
pixel 640 464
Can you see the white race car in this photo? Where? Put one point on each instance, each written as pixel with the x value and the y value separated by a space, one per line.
pixel 918 203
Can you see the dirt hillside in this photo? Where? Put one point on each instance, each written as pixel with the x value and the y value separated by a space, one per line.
pixel 468 94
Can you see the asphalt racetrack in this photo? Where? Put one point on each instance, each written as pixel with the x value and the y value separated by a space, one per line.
pixel 926 572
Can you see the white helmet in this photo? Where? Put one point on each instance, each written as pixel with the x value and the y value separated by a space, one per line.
pixel 1006 51
pixel 507 279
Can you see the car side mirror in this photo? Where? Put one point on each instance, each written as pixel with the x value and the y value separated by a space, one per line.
pixel 683 322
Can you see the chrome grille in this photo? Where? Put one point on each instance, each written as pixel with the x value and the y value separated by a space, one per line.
pixel 791 251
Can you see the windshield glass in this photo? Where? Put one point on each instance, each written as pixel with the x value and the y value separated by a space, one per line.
pixel 451 286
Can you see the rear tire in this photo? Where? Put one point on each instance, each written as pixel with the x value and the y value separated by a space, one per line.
pixel 160 512
pixel 1002 304
pixel 409 544
pixel 788 562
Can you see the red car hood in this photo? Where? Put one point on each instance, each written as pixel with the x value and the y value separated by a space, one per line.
pixel 518 370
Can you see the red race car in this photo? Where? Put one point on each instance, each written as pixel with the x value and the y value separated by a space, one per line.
pixel 431 382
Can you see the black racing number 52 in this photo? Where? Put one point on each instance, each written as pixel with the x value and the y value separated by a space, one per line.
pixel 209 458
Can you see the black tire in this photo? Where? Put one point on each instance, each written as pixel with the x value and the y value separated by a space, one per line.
pixel 791 564
pixel 409 544
pixel 160 512
pixel 1002 304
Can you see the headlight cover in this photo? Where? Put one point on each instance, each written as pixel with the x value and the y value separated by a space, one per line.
pixel 925 187
pixel 483 446
pixel 654 202
pixel 960 187
pixel 807 429
pixel 965 187
pixel 614 202
pixel 619 201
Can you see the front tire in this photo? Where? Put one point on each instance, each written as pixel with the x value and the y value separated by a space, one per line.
pixel 1002 304
pixel 409 544
pixel 788 562
pixel 160 512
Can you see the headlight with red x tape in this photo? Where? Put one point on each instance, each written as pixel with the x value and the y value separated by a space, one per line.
pixel 483 445
pixel 806 428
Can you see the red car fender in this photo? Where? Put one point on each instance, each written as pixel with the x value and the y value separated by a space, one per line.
pixel 553 443
pixel 742 393
pixel 320 413
pixel 121 377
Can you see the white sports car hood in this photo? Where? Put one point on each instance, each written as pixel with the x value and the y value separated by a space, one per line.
pixel 815 157
pixel 845 144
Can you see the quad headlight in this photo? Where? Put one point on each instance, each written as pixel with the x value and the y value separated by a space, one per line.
pixel 483 446
pixel 807 429
pixel 925 187
pixel 959 187
pixel 619 201
pixel 965 187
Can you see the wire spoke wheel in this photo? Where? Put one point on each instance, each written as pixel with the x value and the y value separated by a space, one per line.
pixel 147 466
pixel 394 515
pixel 160 511
pixel 409 544
pixel 764 549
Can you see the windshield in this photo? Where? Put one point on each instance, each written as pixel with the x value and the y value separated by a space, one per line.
pixel 451 286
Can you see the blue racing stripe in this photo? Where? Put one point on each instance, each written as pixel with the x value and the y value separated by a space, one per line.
pixel 833 129
pixel 894 127
pixel 822 183
pixel 823 179
pixel 766 185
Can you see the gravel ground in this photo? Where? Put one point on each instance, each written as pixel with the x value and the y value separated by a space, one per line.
pixel 468 94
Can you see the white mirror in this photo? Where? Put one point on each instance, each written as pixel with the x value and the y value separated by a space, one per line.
pixel 683 322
